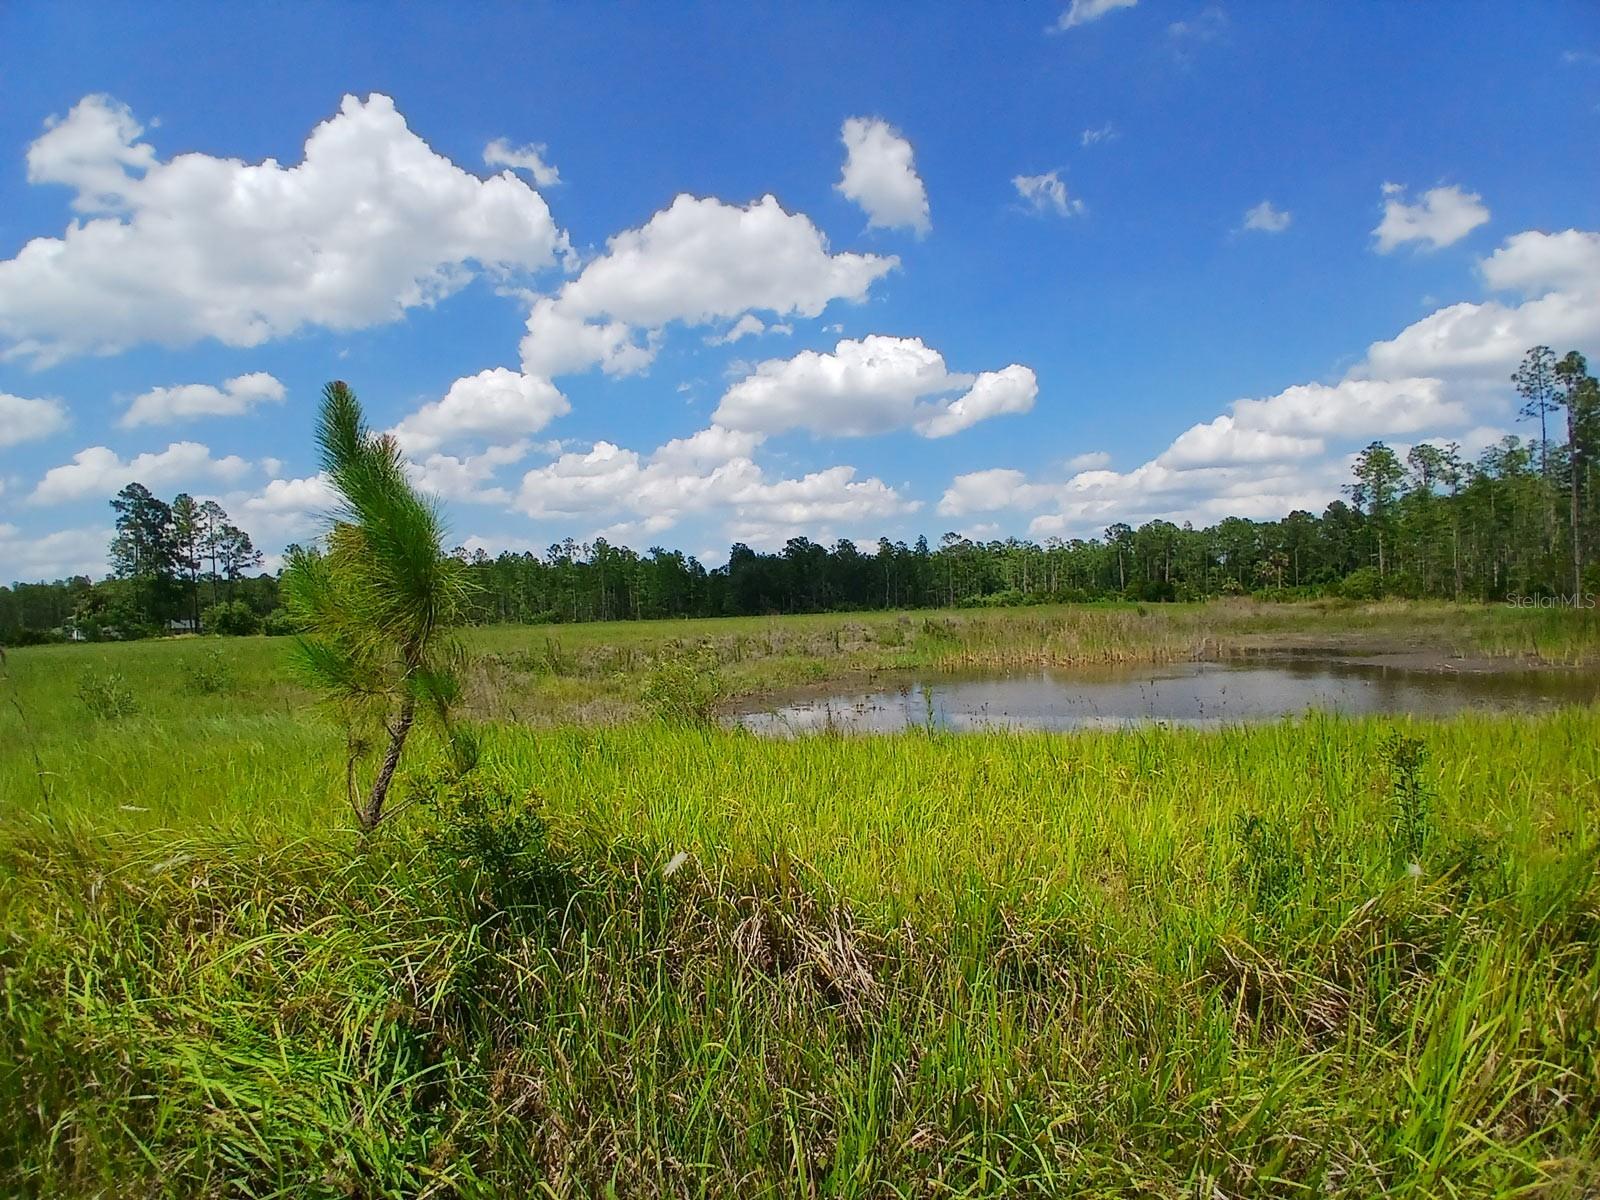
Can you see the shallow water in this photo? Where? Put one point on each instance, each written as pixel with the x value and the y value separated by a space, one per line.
pixel 1189 693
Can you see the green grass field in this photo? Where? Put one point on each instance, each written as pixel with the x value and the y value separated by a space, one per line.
pixel 627 957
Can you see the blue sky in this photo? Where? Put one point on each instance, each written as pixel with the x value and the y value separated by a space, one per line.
pixel 1027 269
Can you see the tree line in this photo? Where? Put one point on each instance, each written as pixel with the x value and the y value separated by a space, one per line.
pixel 1522 520
pixel 175 567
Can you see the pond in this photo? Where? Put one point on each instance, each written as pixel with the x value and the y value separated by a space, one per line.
pixel 1186 693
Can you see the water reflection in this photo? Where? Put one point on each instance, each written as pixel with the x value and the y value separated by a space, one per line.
pixel 1176 694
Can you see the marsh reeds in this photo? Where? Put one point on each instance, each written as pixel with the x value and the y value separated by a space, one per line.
pixel 1321 957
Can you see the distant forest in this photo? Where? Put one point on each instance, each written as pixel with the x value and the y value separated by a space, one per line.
pixel 1523 521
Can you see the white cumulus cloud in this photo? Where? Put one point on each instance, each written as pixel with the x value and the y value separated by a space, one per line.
pixel 871 386
pixel 880 175
pixel 469 478
pixel 23 419
pixel 709 472
pixel 991 491
pixel 530 158
pixel 99 473
pixel 1442 216
pixel 696 261
pixel 168 405
pixel 495 403
pixel 1441 379
pixel 1481 343
pixel 40 558
pixel 748 325
pixel 285 509
pixel 371 222
pixel 1012 389
pixel 1535 263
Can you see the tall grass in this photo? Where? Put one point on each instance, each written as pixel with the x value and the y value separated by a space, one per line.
pixel 1319 957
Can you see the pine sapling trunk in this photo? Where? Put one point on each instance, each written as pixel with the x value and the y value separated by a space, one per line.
pixel 373 812
pixel 1577 538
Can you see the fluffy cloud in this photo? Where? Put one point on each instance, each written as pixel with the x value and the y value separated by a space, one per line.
pixel 696 261
pixel 369 224
pixel 708 472
pixel 705 449
pixel 1442 217
pixel 25 420
pixel 37 558
pixel 1267 219
pixel 1481 343
pixel 500 153
pixel 1261 460
pixel 991 491
pixel 1152 492
pixel 1088 461
pixel 98 472
pixel 168 405
pixel 1047 193
pixel 469 478
pixel 1536 263
pixel 1439 378
pixel 1093 137
pixel 880 176
pixel 1222 441
pixel 493 403
pixel 285 509
pixel 1486 340
pixel 1081 12
pixel 1355 408
pixel 993 393
pixel 869 387
pixel 748 325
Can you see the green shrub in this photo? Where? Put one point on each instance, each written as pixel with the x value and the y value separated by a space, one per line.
pixel 1410 797
pixel 1004 598
pixel 1268 864
pixel 490 844
pixel 208 674
pixel 1362 584
pixel 231 618
pixel 685 687
pixel 106 695
pixel 280 623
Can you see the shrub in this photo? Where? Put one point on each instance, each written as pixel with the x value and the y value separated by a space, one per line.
pixel 106 695
pixel 554 661
pixel 490 844
pixel 280 622
pixel 231 618
pixel 1268 863
pixel 685 687
pixel 17 636
pixel 1361 584
pixel 1410 797
pixel 209 673
pixel 1004 598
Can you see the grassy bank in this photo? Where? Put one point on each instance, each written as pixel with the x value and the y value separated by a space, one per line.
pixel 1321 957
pixel 555 674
